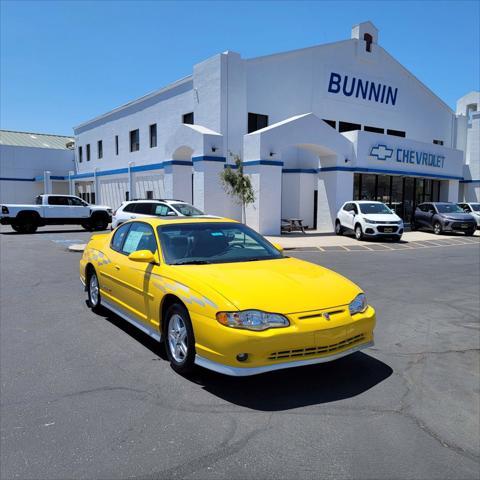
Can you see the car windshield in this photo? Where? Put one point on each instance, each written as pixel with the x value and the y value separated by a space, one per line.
pixel 448 208
pixel 475 207
pixel 213 242
pixel 374 208
pixel 187 210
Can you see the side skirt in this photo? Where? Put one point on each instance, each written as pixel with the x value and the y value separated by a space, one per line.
pixel 121 313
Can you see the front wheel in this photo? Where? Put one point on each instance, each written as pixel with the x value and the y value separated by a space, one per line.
pixel 470 233
pixel 98 222
pixel 437 228
pixel 180 340
pixel 338 228
pixel 93 291
pixel 358 232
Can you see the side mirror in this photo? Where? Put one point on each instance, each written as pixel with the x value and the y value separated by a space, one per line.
pixel 278 247
pixel 144 256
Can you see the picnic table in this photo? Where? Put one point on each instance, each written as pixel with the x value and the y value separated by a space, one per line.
pixel 292 224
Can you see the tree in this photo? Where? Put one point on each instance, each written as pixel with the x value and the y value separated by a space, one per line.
pixel 237 184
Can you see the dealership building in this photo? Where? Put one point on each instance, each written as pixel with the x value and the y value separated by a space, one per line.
pixel 314 128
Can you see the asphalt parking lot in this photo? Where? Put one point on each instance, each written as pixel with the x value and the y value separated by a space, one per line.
pixel 87 396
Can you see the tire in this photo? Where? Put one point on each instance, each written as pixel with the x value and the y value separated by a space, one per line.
pixel 27 223
pixel 358 232
pixel 87 227
pixel 15 227
pixel 338 228
pixel 470 233
pixel 93 291
pixel 397 238
pixel 413 226
pixel 98 222
pixel 179 339
pixel 437 228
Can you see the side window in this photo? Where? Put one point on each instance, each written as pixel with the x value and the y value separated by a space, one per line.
pixel 58 200
pixel 75 202
pixel 423 208
pixel 119 237
pixel 143 208
pixel 162 210
pixel 430 208
pixel 129 207
pixel 347 207
pixel 354 208
pixel 38 200
pixel 139 237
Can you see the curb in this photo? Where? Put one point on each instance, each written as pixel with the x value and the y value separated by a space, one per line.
pixel 77 247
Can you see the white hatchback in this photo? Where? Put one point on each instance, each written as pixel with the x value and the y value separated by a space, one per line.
pixel 153 208
pixel 367 218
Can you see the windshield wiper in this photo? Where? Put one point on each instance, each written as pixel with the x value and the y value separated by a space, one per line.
pixel 192 262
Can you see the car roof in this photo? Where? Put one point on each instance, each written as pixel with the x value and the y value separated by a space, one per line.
pixel 154 200
pixel 364 201
pixel 157 221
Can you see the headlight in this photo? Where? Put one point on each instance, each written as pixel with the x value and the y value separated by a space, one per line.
pixel 359 304
pixel 252 320
pixel 368 220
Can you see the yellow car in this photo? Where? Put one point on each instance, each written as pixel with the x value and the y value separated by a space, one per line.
pixel 221 296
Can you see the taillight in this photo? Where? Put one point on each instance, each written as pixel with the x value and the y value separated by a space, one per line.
pixel 5 210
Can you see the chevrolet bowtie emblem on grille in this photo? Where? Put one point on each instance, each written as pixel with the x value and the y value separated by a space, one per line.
pixel 326 316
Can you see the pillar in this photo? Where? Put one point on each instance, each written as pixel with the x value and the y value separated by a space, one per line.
pixel 178 180
pixel 208 192
pixel 47 182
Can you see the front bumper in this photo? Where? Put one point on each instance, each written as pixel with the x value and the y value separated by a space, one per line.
pixel 383 230
pixel 309 339
pixel 456 226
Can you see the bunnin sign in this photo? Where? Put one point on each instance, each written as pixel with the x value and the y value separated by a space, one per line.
pixel 407 156
pixel 361 88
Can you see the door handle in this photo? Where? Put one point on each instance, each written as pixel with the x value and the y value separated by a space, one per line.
pixel 133 216
pixel 116 267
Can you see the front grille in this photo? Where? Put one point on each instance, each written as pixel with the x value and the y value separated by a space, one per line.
pixel 309 351
pixel 458 225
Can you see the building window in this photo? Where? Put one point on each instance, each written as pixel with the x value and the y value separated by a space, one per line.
pixel 368 41
pixel 332 123
pixel 438 142
pixel 80 155
pixel 100 149
pixel 149 194
pixel 373 129
pixel 88 152
pixel 396 133
pixel 256 121
pixel 116 144
pixel 188 118
pixel 348 127
pixel 135 140
pixel 153 135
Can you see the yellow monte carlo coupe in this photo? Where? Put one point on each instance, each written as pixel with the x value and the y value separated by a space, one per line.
pixel 221 296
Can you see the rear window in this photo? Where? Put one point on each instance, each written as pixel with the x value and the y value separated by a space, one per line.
pixel 129 207
pixel 187 210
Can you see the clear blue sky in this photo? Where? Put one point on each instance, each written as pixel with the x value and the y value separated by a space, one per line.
pixel 64 62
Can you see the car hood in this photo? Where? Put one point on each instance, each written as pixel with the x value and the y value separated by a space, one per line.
pixel 285 285
pixel 457 216
pixel 100 207
pixel 382 217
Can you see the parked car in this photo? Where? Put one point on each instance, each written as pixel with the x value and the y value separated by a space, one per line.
pixel 368 219
pixel 443 217
pixel 55 210
pixel 473 208
pixel 219 295
pixel 153 208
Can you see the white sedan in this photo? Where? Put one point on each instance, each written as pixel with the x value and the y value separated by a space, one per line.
pixel 368 219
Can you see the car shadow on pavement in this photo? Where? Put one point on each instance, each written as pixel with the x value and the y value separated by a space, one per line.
pixel 298 387
pixel 344 378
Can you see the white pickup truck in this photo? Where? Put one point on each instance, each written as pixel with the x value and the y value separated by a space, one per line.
pixel 55 210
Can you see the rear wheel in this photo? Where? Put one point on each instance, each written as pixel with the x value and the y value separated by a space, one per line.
pixel 437 228
pixel 16 228
pixel 338 228
pixel 180 340
pixel 358 232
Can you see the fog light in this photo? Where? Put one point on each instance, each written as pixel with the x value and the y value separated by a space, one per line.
pixel 242 357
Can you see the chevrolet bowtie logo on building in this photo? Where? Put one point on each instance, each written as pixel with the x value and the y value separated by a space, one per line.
pixel 382 152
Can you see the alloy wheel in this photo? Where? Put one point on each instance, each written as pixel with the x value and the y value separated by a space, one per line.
pixel 93 290
pixel 177 338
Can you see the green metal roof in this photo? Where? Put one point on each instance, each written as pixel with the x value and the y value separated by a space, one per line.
pixel 35 140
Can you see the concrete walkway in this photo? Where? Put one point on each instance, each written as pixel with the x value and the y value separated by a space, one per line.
pixel 314 239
